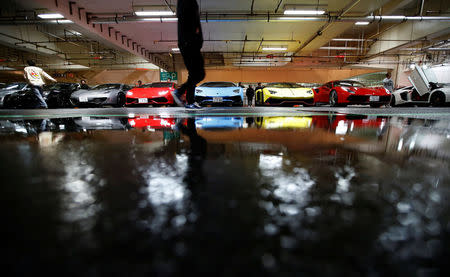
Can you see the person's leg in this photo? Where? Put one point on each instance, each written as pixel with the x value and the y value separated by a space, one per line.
pixel 38 93
pixel 194 63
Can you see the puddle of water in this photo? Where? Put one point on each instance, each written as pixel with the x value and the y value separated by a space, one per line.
pixel 313 195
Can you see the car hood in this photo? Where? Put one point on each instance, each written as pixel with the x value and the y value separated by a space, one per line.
pixel 224 91
pixel 286 122
pixel 5 92
pixel 290 92
pixel 379 91
pixel 92 93
pixel 149 92
pixel 219 122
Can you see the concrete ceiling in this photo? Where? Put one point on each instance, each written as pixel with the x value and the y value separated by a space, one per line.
pixel 238 42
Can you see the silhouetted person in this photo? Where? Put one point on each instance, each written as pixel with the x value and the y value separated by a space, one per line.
pixel 258 87
pixel 250 94
pixel 139 83
pixel 83 84
pixel 35 77
pixel 190 41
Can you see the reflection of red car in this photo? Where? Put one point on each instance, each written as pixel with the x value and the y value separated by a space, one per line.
pixel 151 94
pixel 152 122
pixel 347 92
pixel 345 124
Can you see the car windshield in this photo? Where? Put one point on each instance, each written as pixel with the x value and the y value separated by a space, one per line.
pixel 218 85
pixel 309 85
pixel 282 85
pixel 57 86
pixel 106 87
pixel 160 85
pixel 349 83
pixel 16 86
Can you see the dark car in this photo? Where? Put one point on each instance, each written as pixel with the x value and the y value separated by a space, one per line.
pixel 58 95
pixel 10 89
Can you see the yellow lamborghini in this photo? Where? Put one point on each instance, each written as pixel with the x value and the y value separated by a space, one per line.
pixel 284 94
pixel 278 122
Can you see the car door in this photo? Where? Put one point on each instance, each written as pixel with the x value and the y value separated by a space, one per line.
pixel 324 92
pixel 419 80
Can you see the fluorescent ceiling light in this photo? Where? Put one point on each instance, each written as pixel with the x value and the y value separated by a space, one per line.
pixel 164 19
pixel 362 23
pixel 338 48
pixel 304 12
pixel 348 39
pixel 175 49
pixel 50 16
pixel 274 48
pixel 154 13
pixel 63 21
pixel 393 17
pixel 299 18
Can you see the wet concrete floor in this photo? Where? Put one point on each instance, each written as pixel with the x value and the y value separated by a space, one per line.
pixel 227 193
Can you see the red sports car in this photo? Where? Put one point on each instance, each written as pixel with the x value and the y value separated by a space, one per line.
pixel 347 92
pixel 156 94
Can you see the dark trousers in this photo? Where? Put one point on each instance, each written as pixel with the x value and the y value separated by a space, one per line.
pixel 193 60
pixel 250 100
pixel 37 90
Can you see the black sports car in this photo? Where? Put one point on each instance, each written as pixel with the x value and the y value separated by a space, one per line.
pixel 58 95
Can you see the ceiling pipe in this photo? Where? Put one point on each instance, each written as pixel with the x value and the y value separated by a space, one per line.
pixel 238 18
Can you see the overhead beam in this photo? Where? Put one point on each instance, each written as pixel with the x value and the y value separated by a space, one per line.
pixel 72 11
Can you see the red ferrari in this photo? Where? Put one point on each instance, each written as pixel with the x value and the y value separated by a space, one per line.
pixel 347 92
pixel 155 94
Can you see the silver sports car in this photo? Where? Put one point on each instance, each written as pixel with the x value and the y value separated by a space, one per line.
pixel 10 89
pixel 105 94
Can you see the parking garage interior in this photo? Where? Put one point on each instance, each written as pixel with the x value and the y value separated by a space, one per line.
pixel 323 171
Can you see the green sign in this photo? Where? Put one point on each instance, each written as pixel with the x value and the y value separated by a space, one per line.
pixel 164 76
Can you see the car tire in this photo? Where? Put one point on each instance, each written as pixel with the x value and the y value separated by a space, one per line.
pixel 333 99
pixel 120 100
pixel 393 103
pixel 437 99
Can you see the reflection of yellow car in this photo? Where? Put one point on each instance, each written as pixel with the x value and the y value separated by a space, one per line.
pixel 297 122
pixel 286 94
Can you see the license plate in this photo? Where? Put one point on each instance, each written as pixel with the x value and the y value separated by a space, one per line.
pixel 83 99
pixel 374 98
pixel 217 99
pixel 142 100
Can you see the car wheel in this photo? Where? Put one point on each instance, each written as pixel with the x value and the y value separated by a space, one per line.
pixel 437 99
pixel 120 100
pixel 333 101
pixel 392 103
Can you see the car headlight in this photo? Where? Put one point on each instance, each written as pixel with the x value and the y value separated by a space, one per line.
pixel 163 92
pixel 309 92
pixel 273 92
pixel 130 93
pixel 387 91
pixel 237 90
pixel 198 91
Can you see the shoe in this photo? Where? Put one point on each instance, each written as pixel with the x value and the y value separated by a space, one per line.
pixel 197 105
pixel 192 107
pixel 176 98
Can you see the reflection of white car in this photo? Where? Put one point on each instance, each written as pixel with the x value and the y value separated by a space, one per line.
pixel 425 90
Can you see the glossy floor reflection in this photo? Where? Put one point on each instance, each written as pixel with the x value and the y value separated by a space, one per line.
pixel 336 195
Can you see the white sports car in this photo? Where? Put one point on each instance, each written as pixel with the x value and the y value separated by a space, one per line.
pixel 425 91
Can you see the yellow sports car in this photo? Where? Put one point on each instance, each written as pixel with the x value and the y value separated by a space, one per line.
pixel 284 94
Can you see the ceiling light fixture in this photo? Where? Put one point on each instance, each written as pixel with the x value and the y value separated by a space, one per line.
pixel 362 23
pixel 299 18
pixel 304 12
pixel 175 49
pixel 164 19
pixel 274 48
pixel 50 16
pixel 153 10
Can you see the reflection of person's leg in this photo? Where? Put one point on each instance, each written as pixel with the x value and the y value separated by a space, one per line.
pixel 38 93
